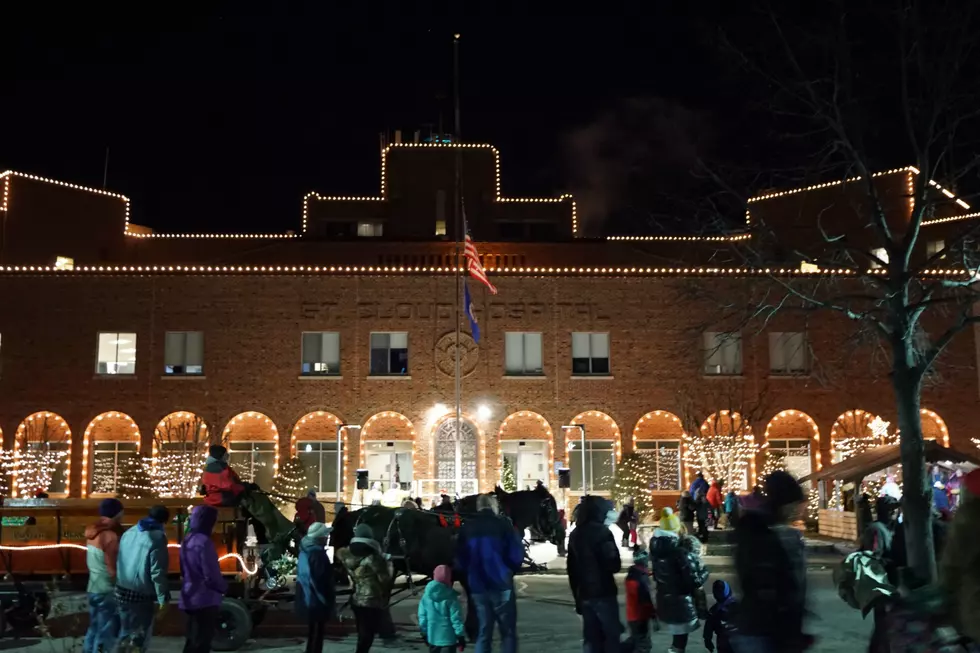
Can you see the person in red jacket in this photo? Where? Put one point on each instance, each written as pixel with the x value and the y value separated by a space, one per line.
pixel 715 498
pixel 309 511
pixel 220 484
pixel 640 611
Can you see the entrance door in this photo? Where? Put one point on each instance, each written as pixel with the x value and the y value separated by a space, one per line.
pixel 447 439
pixel 389 462
pixel 529 460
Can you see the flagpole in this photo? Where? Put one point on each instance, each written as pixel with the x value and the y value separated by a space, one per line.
pixel 457 219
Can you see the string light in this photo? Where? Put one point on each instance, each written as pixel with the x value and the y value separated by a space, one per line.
pixel 33 468
pixel 869 432
pixel 389 415
pixel 732 238
pixel 791 414
pixel 952 218
pixel 601 424
pixel 87 439
pixel 176 471
pixel 725 455
pixel 238 420
pixel 306 422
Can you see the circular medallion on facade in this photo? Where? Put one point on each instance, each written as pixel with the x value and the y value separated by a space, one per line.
pixel 446 354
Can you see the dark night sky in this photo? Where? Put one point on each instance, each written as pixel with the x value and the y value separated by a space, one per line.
pixel 221 121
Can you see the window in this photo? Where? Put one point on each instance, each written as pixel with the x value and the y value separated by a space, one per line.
pixel 440 212
pixel 440 227
pixel 389 353
pixel 45 455
pixel 321 352
pixel 788 353
pixel 722 353
pixel 590 353
pixel 117 353
pixel 881 254
pixel 665 456
pixel 933 247
pixel 522 354
pixel 794 454
pixel 184 353
pixel 109 460
pixel 600 464
pixel 320 462
pixel 370 229
pixel 254 461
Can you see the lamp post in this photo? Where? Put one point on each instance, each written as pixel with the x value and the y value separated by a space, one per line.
pixel 581 429
pixel 340 469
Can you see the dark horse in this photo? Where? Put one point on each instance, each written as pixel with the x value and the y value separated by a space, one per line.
pixel 535 510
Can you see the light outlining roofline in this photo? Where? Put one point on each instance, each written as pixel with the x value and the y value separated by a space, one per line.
pixel 384 183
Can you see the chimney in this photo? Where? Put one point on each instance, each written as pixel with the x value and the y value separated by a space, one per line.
pixel 398 136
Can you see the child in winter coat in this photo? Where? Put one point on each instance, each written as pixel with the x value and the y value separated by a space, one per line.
pixel 440 619
pixel 718 627
pixel 690 545
pixel 640 611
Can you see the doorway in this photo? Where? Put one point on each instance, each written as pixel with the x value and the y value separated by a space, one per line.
pixel 529 461
pixel 388 462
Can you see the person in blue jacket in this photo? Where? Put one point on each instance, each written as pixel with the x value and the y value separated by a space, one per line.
pixel 315 594
pixel 699 484
pixel 489 552
pixel 440 621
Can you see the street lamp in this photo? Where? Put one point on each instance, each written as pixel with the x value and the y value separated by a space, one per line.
pixel 581 428
pixel 340 469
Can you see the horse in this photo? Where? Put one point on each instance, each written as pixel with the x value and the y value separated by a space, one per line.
pixel 535 510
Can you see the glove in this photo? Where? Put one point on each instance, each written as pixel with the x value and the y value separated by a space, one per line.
pixel 460 643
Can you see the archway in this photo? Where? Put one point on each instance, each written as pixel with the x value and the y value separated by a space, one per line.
pixel 602 450
pixel 180 446
pixel 527 444
pixel 387 446
pixel 111 442
pixel 855 431
pixel 472 449
pixel 253 447
pixel 42 455
pixel 934 427
pixel 724 449
pixel 792 439
pixel 659 435
pixel 314 441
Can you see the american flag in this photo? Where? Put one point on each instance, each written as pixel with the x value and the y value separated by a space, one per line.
pixel 473 265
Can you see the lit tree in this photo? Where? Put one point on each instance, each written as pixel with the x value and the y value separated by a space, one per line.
pixel 290 482
pixel 635 478
pixel 134 479
pixel 181 445
pixel 40 456
pixel 507 479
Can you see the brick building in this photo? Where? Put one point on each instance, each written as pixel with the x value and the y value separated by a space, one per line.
pixel 268 342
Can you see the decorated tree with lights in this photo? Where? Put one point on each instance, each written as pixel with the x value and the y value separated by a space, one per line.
pixel 181 445
pixel 290 483
pixel 507 479
pixel 134 479
pixel 40 456
pixel 635 478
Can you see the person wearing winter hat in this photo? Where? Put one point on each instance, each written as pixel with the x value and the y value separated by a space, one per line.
pixel 771 569
pixel 315 594
pixel 640 611
pixel 678 575
pixel 719 627
pixel 959 569
pixel 670 524
pixel 593 560
pixel 371 576
pixel 440 619
pixel 202 585
pixel 101 551
pixel 309 510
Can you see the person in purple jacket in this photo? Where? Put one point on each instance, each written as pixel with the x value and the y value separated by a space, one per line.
pixel 203 586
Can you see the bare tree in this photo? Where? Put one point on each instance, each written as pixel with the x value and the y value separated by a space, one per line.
pixel 181 444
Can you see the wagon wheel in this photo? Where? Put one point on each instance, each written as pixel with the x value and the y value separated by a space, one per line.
pixel 234 626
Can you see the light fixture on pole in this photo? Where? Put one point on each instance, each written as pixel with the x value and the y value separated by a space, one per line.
pixel 581 429
pixel 340 467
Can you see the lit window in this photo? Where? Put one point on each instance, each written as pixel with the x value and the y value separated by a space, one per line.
pixel 590 353
pixel 254 461
pixel 389 354
pixel 934 247
pixel 320 462
pixel 64 263
pixel 522 354
pixel 665 457
pixel 184 353
pixel 321 353
pixel 109 461
pixel 722 353
pixel 794 455
pixel 788 353
pixel 881 254
pixel 370 229
pixel 600 464
pixel 440 227
pixel 117 353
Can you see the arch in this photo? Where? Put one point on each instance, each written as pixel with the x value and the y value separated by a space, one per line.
pixel 727 423
pixel 934 427
pixel 42 444
pixel 253 427
pixel 526 425
pixel 854 426
pixel 793 424
pixel 112 427
pixel 315 427
pixel 473 444
pixel 662 425
pixel 386 425
pixel 180 444
pixel 599 426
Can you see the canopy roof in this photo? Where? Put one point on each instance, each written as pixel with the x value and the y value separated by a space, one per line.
pixel 874 460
